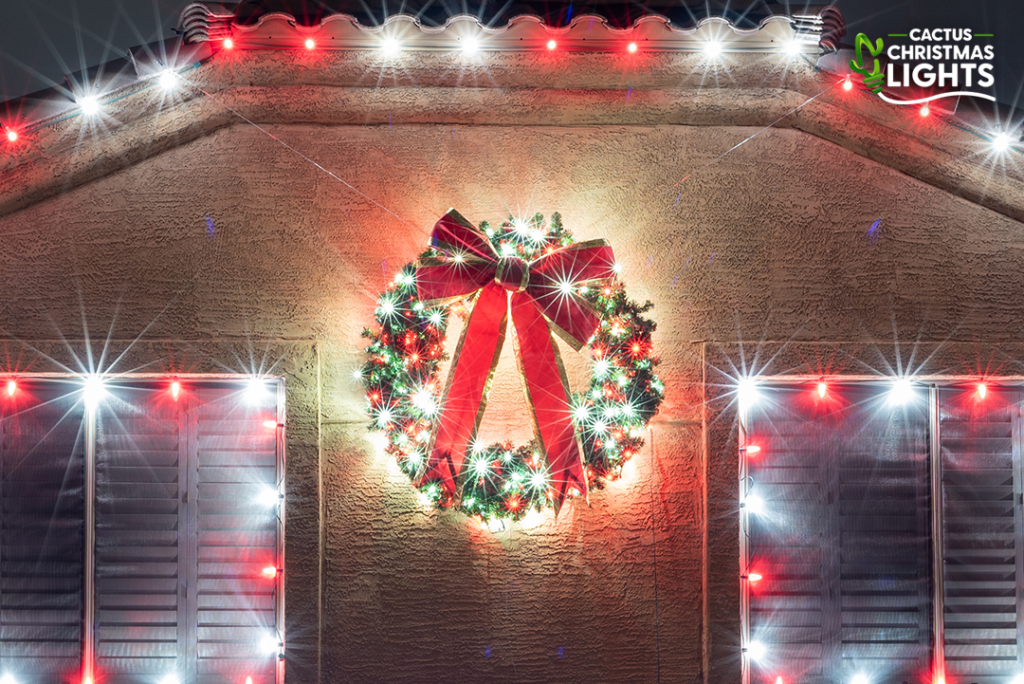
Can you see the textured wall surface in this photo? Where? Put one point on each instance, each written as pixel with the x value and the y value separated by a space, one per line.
pixel 224 249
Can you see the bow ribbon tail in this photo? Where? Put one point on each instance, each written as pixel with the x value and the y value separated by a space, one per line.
pixel 547 394
pixel 465 395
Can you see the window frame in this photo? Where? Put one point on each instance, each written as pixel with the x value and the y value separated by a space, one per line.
pixel 933 384
pixel 275 384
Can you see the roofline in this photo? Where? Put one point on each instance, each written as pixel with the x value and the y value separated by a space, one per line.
pixel 69 152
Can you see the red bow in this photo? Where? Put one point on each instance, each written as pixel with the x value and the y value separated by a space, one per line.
pixel 542 298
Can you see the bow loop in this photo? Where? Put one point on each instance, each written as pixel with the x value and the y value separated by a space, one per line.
pixel 543 299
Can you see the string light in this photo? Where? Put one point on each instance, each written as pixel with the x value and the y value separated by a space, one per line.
pixel 1001 142
pixel 712 48
pixel 847 83
pixel 310 44
pixel 175 389
pixel 167 79
pixel 746 391
pixel 12 134
pixel 982 390
pixel 255 390
pixel 822 388
pixel 756 650
pixel 8 679
pixel 552 45
pixel 89 105
pixel 902 391
pixel 470 45
pixel 925 110
pixel 12 387
pixel 754 578
pixel 859 678
pixel 778 680
pixel 228 43
pixel 390 46
pixel 248 680
pixel 631 47
pixel 268 497
pixel 270 424
pixel 792 48
pixel 270 571
pixel 269 644
pixel 753 504
pixel 169 679
pixel 93 390
pixel 752 449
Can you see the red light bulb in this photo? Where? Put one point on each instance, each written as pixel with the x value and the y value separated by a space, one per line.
pixel 822 389
pixel 12 387
pixel 982 390
pixel 752 449
pixel 270 424
pixel 228 43
pixel 847 83
pixel 270 571
pixel 753 578
pixel 175 389
pixel 12 134
pixel 552 45
pixel 925 111
pixel 310 44
pixel 631 47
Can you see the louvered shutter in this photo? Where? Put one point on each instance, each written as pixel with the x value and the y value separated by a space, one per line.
pixel 843 543
pixel 41 532
pixel 141 536
pixel 182 537
pixel 235 460
pixel 981 507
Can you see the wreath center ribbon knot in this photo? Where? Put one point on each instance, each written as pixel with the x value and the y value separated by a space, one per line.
pixel 542 299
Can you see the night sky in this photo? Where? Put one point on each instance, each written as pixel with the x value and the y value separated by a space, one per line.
pixel 41 40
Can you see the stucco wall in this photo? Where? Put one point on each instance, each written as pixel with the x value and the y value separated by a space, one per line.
pixel 765 245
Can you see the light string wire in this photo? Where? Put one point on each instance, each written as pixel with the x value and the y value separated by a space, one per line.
pixel 752 136
pixel 303 156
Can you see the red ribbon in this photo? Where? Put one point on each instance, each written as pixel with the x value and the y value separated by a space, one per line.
pixel 541 297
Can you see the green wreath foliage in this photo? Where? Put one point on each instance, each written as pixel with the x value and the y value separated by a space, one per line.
pixel 501 481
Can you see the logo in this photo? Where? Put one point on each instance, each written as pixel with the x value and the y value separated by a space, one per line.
pixel 929 59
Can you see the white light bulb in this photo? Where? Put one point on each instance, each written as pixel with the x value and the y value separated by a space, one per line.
pixel 255 390
pixel 859 678
pixel 746 391
pixel 754 504
pixel 756 650
pixel 268 497
pixel 169 679
pixel 269 644
pixel 792 48
pixel 8 679
pixel 712 48
pixel 390 47
pixel 167 79
pixel 470 45
pixel 902 391
pixel 89 105
pixel 1001 142
pixel 93 390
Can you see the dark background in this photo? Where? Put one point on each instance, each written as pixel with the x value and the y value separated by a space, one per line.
pixel 42 40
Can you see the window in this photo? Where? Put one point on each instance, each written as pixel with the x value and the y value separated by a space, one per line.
pixel 879 537
pixel 185 541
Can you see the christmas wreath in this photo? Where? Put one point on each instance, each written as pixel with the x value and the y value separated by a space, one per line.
pixel 535 273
